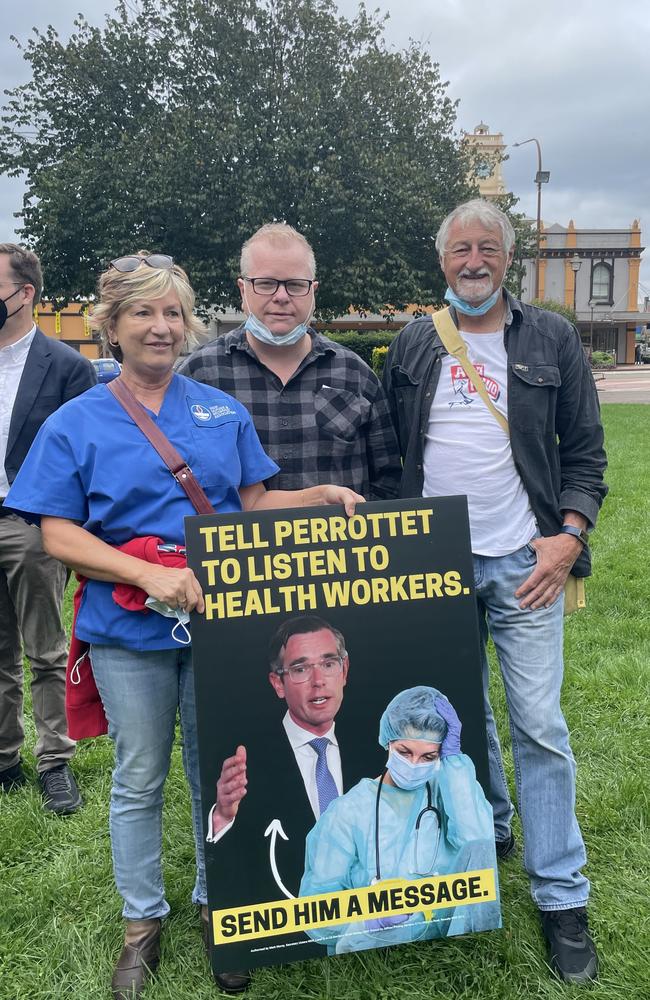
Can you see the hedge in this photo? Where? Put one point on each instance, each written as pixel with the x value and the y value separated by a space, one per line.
pixel 362 344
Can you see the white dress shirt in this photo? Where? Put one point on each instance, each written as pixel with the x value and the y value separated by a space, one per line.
pixel 306 758
pixel 12 363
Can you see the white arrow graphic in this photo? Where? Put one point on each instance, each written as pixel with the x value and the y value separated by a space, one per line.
pixel 274 828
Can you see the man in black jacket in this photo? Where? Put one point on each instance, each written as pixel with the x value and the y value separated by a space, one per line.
pixel 37 375
pixel 533 476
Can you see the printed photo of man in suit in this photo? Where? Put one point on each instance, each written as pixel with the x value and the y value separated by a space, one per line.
pixel 275 789
pixel 309 668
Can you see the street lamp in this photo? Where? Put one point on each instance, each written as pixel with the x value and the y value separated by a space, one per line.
pixel 541 177
pixel 592 303
pixel 576 264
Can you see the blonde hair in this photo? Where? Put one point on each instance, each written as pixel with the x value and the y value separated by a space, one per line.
pixel 117 290
pixel 278 234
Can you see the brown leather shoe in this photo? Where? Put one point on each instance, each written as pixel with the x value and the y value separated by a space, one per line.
pixel 139 959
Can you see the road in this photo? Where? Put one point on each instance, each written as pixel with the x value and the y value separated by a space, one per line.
pixel 627 385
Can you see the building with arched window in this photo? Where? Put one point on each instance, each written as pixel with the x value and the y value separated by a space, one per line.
pixel 595 272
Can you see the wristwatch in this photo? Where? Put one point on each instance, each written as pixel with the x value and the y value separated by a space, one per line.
pixel 570 529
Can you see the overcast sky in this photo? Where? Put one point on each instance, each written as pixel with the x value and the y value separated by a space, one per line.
pixel 573 73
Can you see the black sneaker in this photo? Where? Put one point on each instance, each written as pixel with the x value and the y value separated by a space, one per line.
pixel 506 848
pixel 232 982
pixel 60 792
pixel 572 952
pixel 12 777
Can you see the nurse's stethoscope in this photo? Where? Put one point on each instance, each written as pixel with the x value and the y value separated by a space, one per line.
pixel 429 808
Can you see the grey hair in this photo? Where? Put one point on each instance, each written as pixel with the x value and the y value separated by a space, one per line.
pixel 477 210
pixel 277 233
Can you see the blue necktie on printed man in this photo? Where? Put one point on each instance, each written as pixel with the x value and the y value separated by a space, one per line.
pixel 325 784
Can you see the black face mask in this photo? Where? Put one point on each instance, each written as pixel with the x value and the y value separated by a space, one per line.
pixel 4 315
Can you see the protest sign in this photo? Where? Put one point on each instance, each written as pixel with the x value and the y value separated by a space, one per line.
pixel 314 623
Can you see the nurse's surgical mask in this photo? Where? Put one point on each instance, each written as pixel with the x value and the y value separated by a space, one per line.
pixel 409 776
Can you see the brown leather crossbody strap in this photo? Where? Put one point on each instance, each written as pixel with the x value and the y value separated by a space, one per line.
pixel 176 464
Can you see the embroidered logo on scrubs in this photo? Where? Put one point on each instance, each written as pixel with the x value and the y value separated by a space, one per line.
pixel 465 391
pixel 204 415
pixel 200 412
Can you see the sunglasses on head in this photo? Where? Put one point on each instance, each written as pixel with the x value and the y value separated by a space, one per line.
pixel 132 262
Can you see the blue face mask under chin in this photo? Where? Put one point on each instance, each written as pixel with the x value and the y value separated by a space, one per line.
pixel 410 776
pixel 466 308
pixel 262 333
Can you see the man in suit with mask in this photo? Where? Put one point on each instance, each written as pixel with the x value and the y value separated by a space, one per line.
pixel 37 375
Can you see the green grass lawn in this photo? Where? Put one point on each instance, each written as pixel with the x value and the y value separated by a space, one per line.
pixel 60 929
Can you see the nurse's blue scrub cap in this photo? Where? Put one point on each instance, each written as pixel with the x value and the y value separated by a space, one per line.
pixel 412 715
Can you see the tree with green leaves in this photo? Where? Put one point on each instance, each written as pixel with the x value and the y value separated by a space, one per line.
pixel 525 248
pixel 183 125
pixel 551 305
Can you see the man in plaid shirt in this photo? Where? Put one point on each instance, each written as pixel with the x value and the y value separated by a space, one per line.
pixel 318 409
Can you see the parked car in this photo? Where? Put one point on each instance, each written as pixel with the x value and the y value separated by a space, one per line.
pixel 106 369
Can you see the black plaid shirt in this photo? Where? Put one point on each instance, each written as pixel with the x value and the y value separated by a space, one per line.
pixel 329 424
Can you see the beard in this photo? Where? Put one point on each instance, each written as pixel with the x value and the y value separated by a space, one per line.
pixel 474 290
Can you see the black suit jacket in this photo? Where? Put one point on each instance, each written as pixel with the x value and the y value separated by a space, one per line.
pixel 53 374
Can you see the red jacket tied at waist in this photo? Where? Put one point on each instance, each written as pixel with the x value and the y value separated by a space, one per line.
pixel 84 709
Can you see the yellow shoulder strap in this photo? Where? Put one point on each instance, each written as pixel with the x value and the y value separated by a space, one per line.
pixel 455 345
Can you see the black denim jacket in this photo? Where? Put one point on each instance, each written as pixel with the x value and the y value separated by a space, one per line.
pixel 553 411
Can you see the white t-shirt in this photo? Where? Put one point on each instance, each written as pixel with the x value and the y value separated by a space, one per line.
pixel 467 452
pixel 12 364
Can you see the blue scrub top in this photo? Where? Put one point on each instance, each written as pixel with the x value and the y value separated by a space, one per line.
pixel 90 463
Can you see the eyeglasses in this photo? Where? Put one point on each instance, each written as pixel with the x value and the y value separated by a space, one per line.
pixel 299 673
pixel 132 262
pixel 295 287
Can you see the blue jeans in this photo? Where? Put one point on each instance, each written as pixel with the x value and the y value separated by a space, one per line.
pixel 529 650
pixel 141 693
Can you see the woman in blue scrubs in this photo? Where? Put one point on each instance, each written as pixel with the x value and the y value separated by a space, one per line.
pixel 98 483
pixel 426 815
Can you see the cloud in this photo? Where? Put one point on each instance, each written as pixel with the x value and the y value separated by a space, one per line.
pixel 571 74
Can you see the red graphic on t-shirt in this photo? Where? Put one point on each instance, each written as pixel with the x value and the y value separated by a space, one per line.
pixel 463 387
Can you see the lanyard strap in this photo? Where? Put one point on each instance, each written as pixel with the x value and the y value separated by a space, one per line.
pixel 456 346
pixel 176 464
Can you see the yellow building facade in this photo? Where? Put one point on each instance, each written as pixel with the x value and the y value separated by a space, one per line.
pixel 71 325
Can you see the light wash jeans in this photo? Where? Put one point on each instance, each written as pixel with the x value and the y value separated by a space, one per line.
pixel 529 650
pixel 141 693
